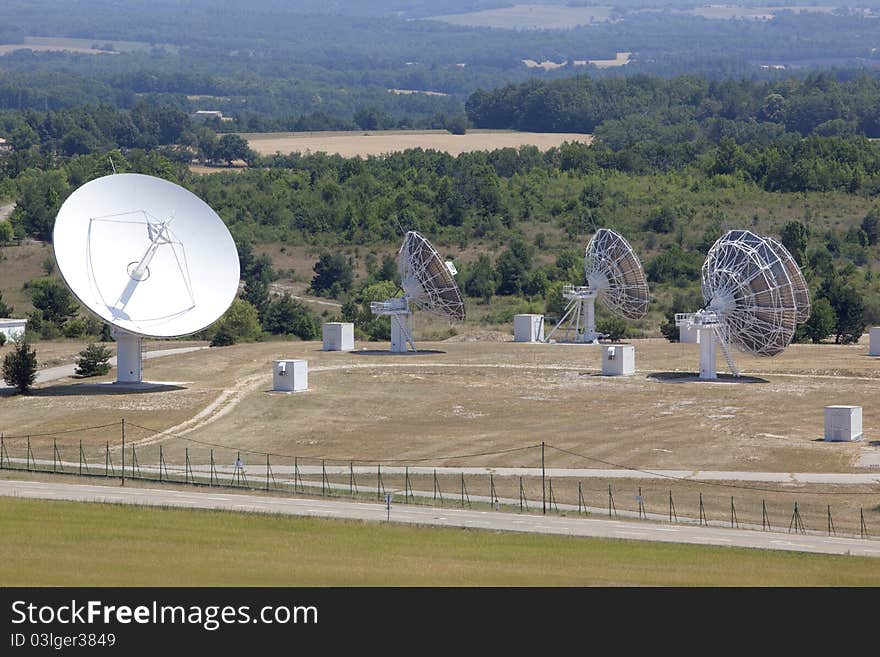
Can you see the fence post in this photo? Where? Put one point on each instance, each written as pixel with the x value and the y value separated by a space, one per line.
pixel 830 523
pixel 323 476
pixel 123 451
pixel 378 481
pixel 211 476
pixel 107 461
pixel 80 457
pixel 863 528
pixel 407 487
pixel 493 497
pixel 186 466
pixel 610 502
pixel 2 449
pixel 703 518
pixel 54 452
pixel 267 471
pixel 543 482
pixel 351 478
pixel 29 455
pixel 523 502
pixel 733 519
pixel 581 502
pixel 765 519
pixel 642 514
pixel 161 463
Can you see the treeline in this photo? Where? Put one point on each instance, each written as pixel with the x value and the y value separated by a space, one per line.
pixel 528 213
pixel 635 108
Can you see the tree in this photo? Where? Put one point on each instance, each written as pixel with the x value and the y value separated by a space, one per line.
pixel 284 314
pixel 20 366
pixel 5 311
pixel 512 267
pixel 614 327
pixel 457 125
pixel 94 360
pixel 333 275
pixel 794 237
pixel 479 281
pixel 822 322
pixel 239 324
pixel 6 232
pixel 233 147
pixel 53 299
pixel 849 307
pixel 870 224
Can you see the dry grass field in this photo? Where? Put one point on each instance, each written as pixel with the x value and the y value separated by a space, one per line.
pixel 469 403
pixel 530 17
pixel 82 46
pixel 382 142
pixel 461 396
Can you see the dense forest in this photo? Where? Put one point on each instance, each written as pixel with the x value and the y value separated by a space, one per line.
pixel 515 220
pixel 269 63
pixel 701 132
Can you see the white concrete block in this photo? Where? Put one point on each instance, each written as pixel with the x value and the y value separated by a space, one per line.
pixel 528 328
pixel 290 376
pixel 338 336
pixel 618 360
pixel 12 328
pixel 843 423
pixel 874 346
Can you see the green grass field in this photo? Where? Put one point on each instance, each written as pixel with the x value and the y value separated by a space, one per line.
pixel 75 544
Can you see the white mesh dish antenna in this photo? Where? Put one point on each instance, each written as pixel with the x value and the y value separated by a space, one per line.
pixel 148 257
pixel 755 297
pixel 428 284
pixel 615 276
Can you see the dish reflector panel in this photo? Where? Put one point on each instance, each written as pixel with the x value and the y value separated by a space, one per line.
pixel 146 255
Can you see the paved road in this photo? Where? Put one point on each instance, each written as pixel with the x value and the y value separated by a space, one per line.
pixel 62 371
pixel 418 515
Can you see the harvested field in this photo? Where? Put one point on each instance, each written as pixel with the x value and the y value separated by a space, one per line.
pixel 530 17
pixel 381 142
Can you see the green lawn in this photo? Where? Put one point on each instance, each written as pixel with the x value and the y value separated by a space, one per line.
pixel 77 544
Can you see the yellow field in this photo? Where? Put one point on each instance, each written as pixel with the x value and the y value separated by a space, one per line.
pixel 530 17
pixel 382 142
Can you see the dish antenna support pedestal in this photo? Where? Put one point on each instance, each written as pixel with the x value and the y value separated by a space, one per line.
pixel 129 357
pixel 401 322
pixel 707 325
pixel 579 319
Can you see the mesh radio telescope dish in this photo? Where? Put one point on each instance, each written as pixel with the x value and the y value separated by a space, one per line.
pixel 755 297
pixel 428 284
pixel 614 275
pixel 146 256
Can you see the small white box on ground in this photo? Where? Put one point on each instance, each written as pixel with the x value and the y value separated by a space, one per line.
pixel 688 335
pixel 843 423
pixel 619 360
pixel 290 376
pixel 12 328
pixel 874 341
pixel 338 336
pixel 528 328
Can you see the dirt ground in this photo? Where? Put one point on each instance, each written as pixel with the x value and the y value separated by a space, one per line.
pixel 381 142
pixel 461 397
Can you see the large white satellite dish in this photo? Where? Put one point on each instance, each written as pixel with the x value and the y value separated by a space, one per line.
pixel 615 276
pixel 428 284
pixel 148 257
pixel 755 297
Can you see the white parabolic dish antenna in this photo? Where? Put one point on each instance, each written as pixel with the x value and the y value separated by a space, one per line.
pixel 428 284
pixel 755 297
pixel 148 257
pixel 614 275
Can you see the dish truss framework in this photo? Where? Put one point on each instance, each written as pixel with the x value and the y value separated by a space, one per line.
pixel 755 297
pixel 615 276
pixel 428 284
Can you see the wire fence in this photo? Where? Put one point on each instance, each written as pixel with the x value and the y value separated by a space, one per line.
pixel 129 452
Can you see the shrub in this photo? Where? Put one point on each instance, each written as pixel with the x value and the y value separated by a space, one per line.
pixel 20 366
pixel 94 360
